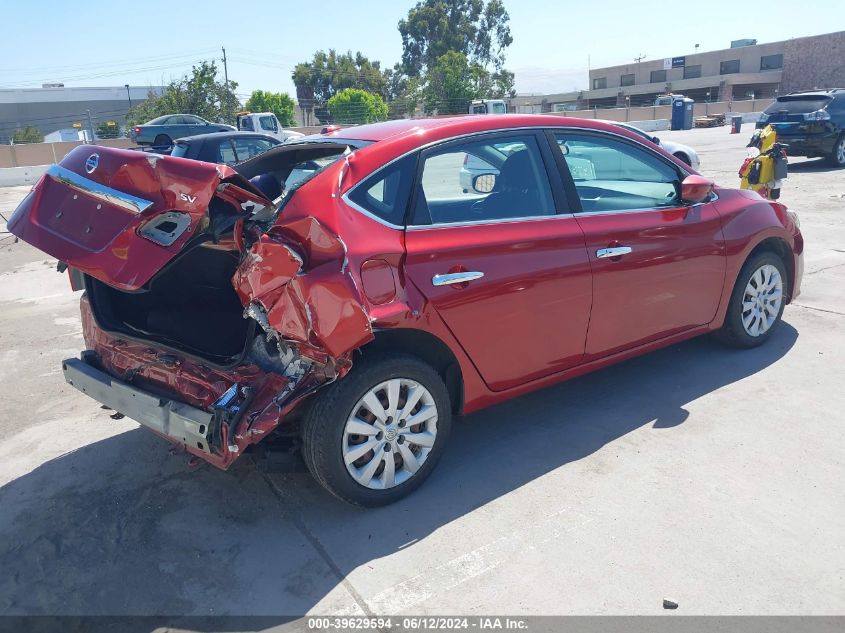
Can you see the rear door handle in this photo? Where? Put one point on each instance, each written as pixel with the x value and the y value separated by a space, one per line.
pixel 455 278
pixel 615 251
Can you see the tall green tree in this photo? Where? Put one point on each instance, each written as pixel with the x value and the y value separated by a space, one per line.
pixel 357 106
pixel 479 30
pixel 452 82
pixel 202 93
pixel 330 73
pixel 279 103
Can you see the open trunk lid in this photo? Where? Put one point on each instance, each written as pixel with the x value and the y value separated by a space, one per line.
pixel 120 215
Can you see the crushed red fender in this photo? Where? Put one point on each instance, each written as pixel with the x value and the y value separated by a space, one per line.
pixel 321 311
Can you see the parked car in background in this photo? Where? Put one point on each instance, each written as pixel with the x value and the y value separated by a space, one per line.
pixel 161 131
pixel 266 123
pixel 223 147
pixel 810 123
pixel 668 99
pixel 678 150
pixel 374 300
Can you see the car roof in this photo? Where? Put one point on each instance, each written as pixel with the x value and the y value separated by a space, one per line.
pixel 819 94
pixel 391 139
pixel 461 124
pixel 229 134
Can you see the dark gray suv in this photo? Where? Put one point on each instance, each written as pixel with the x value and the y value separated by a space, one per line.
pixel 811 123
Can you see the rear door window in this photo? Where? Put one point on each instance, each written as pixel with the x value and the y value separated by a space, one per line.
pixel 482 180
pixel 246 148
pixel 226 153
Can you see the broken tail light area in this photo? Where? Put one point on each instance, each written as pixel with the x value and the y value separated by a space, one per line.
pixel 295 285
pixel 215 413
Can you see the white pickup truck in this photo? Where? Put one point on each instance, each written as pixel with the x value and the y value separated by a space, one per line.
pixel 266 123
pixel 488 106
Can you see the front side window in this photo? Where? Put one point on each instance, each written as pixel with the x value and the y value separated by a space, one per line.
pixel 192 120
pixel 268 123
pixel 729 67
pixel 385 194
pixel 627 80
pixel 613 176
pixel 496 178
pixel 658 76
pixel 599 83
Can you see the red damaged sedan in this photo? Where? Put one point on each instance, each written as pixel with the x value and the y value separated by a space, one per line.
pixel 349 291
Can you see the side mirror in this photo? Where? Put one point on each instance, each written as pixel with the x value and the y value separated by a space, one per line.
pixel 655 140
pixel 484 183
pixel 696 189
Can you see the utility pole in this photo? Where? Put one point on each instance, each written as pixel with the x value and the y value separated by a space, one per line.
pixel 226 79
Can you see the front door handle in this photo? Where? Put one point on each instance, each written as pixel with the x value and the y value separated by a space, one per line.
pixel 614 251
pixel 455 278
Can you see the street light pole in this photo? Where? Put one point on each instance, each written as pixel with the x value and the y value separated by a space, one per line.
pixel 129 96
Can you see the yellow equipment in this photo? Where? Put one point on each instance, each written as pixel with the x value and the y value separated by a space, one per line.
pixel 764 169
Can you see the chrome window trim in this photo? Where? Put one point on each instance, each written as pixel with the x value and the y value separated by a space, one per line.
pixel 363 211
pixel 535 128
pixel 530 218
pixel 96 190
pixel 712 198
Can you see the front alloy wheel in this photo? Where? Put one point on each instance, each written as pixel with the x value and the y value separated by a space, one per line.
pixel 756 303
pixel 374 436
pixel 762 300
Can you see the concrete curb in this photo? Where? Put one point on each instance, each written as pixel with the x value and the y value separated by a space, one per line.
pixel 16 176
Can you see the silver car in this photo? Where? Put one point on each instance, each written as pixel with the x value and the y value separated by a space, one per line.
pixel 678 150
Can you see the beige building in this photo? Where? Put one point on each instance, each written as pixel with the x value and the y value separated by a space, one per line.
pixel 747 70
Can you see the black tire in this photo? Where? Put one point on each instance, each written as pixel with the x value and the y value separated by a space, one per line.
pixel 162 140
pixel 323 426
pixel 837 154
pixel 684 158
pixel 733 332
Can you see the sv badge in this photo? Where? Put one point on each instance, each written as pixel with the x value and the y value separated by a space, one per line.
pixel 187 198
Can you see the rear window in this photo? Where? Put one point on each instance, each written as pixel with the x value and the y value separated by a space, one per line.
pixel 385 194
pixel 801 105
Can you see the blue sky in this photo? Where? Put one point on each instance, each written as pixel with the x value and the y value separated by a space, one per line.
pixel 99 43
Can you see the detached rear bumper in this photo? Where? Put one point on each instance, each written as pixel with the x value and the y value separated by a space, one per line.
pixel 175 420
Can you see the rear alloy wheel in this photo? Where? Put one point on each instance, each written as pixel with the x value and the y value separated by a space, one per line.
pixel 837 155
pixel 373 437
pixel 757 302
pixel 162 140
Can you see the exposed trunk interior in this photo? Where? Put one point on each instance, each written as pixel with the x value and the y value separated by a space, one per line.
pixel 190 305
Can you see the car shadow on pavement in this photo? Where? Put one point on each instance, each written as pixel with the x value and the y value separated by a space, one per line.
pixel 811 165
pixel 122 527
